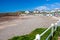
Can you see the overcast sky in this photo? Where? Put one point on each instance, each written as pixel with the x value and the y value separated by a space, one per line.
pixel 16 5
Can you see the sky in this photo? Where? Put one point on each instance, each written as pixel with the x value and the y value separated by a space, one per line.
pixel 22 5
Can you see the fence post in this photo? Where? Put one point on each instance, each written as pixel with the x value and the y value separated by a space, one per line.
pixel 52 29
pixel 55 26
pixel 58 22
pixel 37 37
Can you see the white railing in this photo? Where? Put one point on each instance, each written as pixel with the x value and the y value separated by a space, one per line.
pixel 53 28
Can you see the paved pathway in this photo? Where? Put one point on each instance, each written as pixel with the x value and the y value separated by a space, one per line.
pixel 58 38
pixel 23 25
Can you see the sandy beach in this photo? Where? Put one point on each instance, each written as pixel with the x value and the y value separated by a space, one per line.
pixel 24 25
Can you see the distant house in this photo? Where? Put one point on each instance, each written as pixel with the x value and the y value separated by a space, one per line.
pixel 36 11
pixel 46 12
pixel 49 15
pixel 27 12
pixel 56 12
pixel 52 11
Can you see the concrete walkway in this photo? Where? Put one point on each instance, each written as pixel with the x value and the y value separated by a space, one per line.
pixel 23 25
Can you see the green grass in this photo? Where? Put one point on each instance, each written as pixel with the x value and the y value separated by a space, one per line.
pixel 31 36
pixel 55 37
pixel 58 30
pixel 56 34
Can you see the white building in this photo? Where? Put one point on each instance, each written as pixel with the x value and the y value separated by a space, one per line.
pixel 53 11
pixel 59 10
pixel 49 15
pixel 36 11
pixel 27 12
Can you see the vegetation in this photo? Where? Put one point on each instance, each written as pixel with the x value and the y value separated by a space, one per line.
pixel 10 14
pixel 56 34
pixel 58 30
pixel 31 36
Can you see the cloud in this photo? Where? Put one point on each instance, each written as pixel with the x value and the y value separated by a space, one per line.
pixel 48 6
pixel 55 5
pixel 42 8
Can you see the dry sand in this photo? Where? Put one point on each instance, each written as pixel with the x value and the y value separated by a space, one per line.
pixel 24 25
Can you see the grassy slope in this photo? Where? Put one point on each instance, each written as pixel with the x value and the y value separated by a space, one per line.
pixel 57 34
pixel 31 36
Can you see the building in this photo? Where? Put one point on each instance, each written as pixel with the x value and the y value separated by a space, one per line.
pixel 36 11
pixel 27 12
